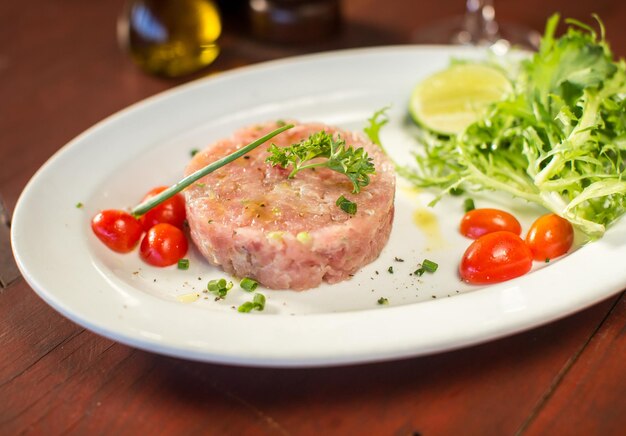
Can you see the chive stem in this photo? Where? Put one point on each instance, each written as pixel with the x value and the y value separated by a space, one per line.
pixel 182 184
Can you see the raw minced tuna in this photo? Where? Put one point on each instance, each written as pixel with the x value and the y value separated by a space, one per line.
pixel 250 219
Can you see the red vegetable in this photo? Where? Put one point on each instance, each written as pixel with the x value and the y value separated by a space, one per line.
pixel 478 222
pixel 550 236
pixel 163 245
pixel 117 229
pixel 171 211
pixel 495 257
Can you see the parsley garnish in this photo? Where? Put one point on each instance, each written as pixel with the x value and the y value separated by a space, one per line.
pixel 328 152
pixel 346 205
pixel 383 300
pixel 468 205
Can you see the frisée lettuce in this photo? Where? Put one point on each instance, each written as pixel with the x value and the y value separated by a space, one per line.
pixel 558 139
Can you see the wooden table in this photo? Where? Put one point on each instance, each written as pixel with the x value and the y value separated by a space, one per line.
pixel 61 71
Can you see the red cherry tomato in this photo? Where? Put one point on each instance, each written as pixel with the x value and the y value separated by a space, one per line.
pixel 117 229
pixel 550 236
pixel 478 222
pixel 495 257
pixel 171 211
pixel 163 245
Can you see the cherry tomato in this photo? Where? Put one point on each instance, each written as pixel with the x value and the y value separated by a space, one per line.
pixel 163 245
pixel 495 257
pixel 171 211
pixel 478 222
pixel 117 229
pixel 550 236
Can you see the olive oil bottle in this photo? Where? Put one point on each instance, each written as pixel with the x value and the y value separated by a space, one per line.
pixel 170 37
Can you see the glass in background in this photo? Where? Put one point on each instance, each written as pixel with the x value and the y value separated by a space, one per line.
pixel 478 26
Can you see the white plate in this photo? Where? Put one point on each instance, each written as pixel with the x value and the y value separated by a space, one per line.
pixel 114 163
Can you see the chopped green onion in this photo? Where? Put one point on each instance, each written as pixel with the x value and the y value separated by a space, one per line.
pixel 182 184
pixel 257 303
pixel 248 284
pixel 468 205
pixel 383 300
pixel 183 264
pixel 346 205
pixel 194 152
pixel 456 191
pixel 79 205
pixel 427 266
pixel 219 287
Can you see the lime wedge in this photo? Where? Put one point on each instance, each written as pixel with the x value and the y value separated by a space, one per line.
pixel 450 100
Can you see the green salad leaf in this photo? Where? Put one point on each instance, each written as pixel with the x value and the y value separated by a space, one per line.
pixel 559 139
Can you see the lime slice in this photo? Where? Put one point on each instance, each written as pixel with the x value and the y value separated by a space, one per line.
pixel 450 100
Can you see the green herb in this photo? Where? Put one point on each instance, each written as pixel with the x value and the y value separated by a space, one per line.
pixel 468 205
pixel 558 140
pixel 322 150
pixel 383 300
pixel 194 152
pixel 456 191
pixel 257 303
pixel 79 205
pixel 375 123
pixel 390 270
pixel 346 205
pixel 183 264
pixel 174 189
pixel 426 266
pixel 219 287
pixel 248 284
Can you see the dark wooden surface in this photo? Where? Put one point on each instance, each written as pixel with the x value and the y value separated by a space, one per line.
pixel 61 71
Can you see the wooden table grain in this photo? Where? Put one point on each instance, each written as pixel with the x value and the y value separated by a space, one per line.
pixel 61 71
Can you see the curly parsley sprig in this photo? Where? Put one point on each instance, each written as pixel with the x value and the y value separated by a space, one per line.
pixel 321 149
